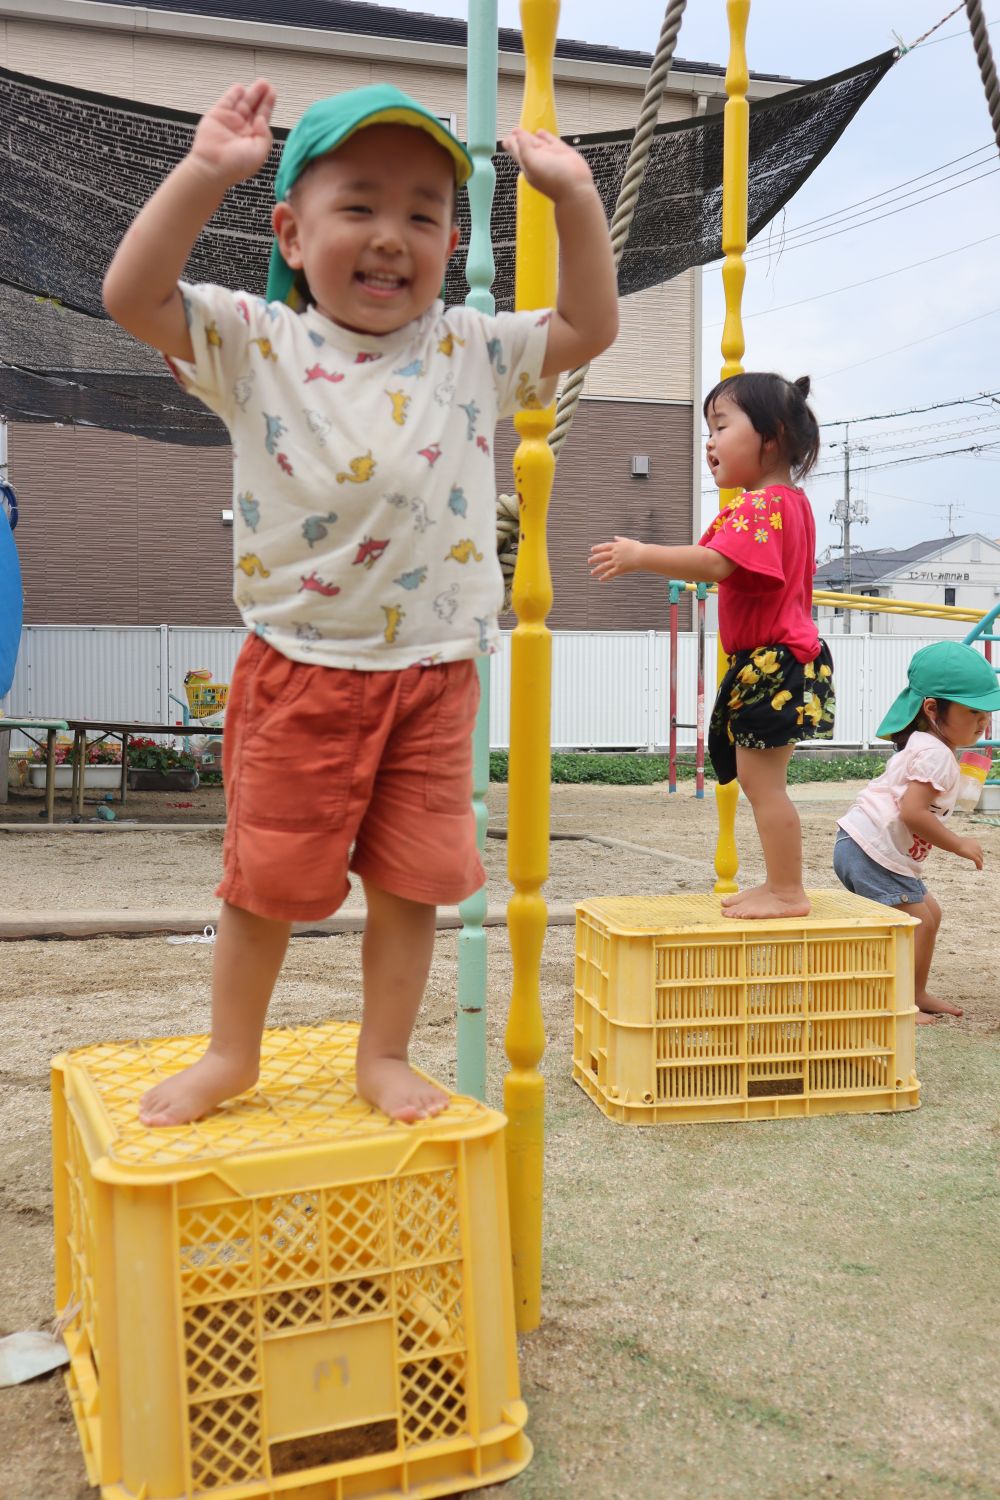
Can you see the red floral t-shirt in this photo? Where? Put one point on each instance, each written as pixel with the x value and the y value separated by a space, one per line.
pixel 770 535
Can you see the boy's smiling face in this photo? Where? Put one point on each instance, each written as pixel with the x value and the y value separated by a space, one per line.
pixel 372 227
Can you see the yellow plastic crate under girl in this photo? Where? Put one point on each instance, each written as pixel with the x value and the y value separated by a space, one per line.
pixel 682 1014
pixel 295 1296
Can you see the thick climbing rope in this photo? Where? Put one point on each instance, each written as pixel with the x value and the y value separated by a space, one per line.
pixel 984 57
pixel 621 223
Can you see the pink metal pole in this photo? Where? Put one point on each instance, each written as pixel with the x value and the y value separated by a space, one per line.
pixel 988 648
pixel 672 768
pixel 699 764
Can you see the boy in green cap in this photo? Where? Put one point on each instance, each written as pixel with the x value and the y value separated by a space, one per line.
pixel 362 414
pixel 883 841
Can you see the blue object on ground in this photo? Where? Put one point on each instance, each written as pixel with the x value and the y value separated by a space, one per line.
pixel 11 603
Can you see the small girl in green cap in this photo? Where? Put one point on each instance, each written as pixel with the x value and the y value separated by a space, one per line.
pixel 885 838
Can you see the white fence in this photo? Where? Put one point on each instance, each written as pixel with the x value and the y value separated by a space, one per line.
pixel 609 688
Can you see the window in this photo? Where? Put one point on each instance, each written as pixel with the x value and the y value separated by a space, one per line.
pixel 949 596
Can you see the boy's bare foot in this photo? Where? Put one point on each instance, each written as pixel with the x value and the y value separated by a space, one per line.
pixel 392 1086
pixel 762 904
pixel 932 1006
pixel 189 1095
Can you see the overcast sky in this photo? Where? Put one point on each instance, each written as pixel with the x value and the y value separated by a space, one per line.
pixel 928 111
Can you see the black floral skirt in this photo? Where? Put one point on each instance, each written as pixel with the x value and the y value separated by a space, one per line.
pixel 768 698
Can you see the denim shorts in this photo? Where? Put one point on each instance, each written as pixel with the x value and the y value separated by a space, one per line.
pixel 864 876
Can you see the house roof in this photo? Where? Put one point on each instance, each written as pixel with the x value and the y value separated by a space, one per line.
pixel 870 567
pixel 361 18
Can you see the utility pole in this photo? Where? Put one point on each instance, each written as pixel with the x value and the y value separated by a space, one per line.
pixel 844 513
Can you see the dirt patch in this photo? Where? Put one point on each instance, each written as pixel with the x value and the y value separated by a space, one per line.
pixel 207 804
pixel 777 1311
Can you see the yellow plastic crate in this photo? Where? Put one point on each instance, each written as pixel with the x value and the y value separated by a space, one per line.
pixel 205 697
pixel 681 1014
pixel 295 1296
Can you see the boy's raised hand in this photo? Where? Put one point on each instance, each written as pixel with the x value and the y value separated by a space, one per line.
pixel 234 138
pixel 548 163
pixel 140 287
pixel 585 319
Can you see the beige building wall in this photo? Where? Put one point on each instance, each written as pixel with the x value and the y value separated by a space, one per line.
pixel 653 358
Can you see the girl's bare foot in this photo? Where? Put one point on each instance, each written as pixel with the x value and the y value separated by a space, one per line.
pixel 932 1006
pixel 923 1020
pixel 189 1095
pixel 736 898
pixel 762 904
pixel 390 1084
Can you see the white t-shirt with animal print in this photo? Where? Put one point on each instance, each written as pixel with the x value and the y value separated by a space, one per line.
pixel 364 512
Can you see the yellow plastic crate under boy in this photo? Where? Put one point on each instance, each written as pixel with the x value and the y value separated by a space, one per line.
pixel 295 1296
pixel 682 1014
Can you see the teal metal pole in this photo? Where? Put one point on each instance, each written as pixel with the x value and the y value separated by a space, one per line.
pixel 480 269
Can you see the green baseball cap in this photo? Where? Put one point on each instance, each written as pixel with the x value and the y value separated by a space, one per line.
pixel 326 125
pixel 946 669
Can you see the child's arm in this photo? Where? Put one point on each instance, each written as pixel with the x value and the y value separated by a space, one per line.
pixel 623 555
pixel 915 811
pixel 140 288
pixel 585 320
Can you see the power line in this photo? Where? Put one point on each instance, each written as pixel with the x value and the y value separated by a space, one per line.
pixel 976 449
pixel 894 432
pixel 868 281
pixel 919 458
pixel 915 411
pixel 836 213
pixel 921 442
pixel 965 510
pixel 950 328
pixel 894 188
pixel 769 253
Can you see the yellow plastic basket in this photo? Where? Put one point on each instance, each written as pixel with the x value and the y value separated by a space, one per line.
pixel 682 1014
pixel 295 1296
pixel 204 697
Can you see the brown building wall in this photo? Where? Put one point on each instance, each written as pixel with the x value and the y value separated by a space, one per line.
pixel 595 498
pixel 117 530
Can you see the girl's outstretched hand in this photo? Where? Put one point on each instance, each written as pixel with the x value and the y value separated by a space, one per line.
pixel 971 849
pixel 234 138
pixel 549 164
pixel 609 559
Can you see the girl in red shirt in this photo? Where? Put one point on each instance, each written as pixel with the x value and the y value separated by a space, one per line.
pixel 761 551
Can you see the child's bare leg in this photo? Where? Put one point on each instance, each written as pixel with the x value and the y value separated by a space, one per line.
pixel 762 776
pixel 248 955
pixel 396 959
pixel 928 912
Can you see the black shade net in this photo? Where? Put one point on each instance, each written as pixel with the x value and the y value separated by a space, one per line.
pixel 76 167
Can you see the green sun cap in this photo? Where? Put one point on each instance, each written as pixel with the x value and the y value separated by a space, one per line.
pixel 946 669
pixel 326 125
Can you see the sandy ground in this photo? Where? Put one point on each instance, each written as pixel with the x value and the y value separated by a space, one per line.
pixel 753 1312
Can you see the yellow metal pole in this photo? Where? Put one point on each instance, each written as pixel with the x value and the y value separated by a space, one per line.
pixel 530 706
pixel 874 605
pixel 735 186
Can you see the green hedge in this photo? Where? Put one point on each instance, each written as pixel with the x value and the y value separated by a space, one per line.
pixel 643 770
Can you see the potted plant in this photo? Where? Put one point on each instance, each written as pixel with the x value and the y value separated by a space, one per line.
pixel 102 764
pixel 154 766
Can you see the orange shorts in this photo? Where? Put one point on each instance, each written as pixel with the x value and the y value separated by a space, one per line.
pixel 317 759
